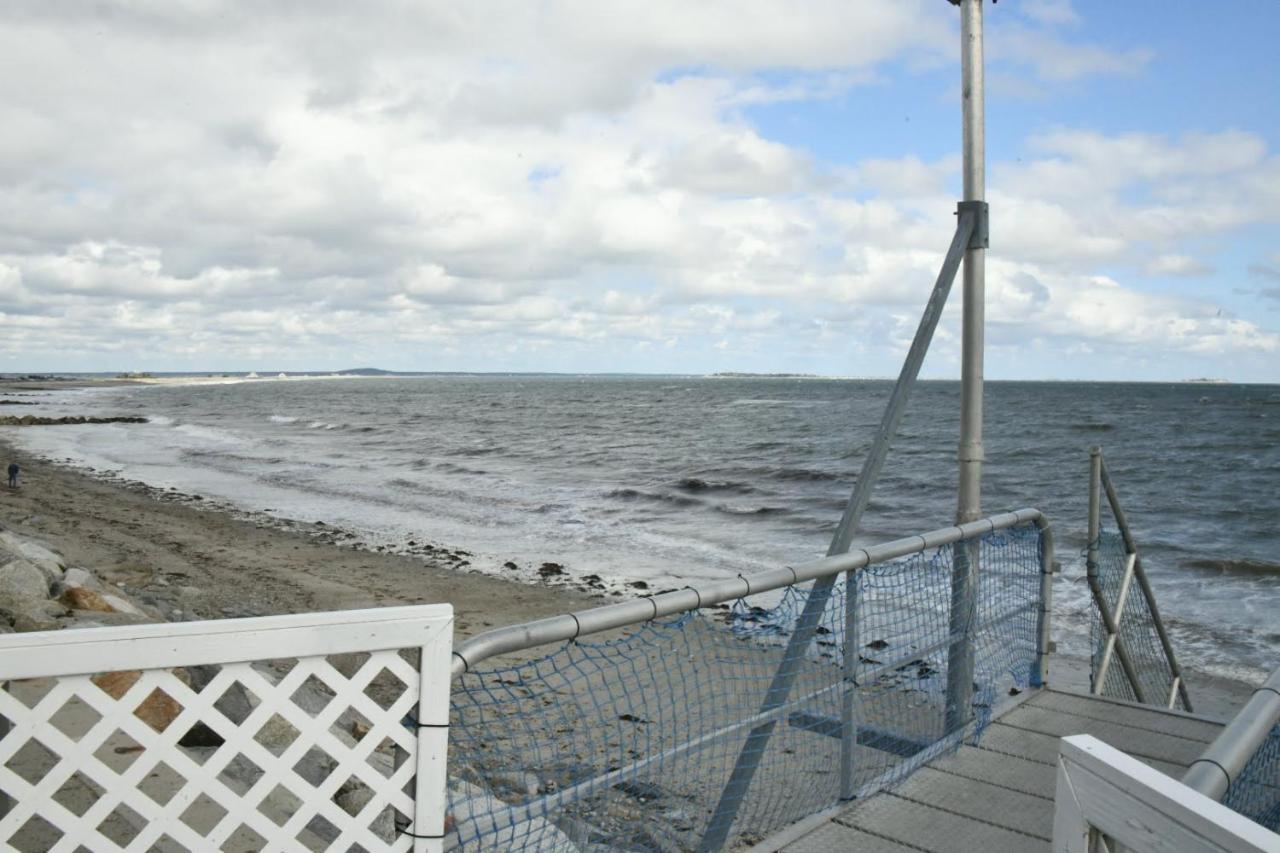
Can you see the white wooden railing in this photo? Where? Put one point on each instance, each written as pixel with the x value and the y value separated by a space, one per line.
pixel 279 733
pixel 1109 801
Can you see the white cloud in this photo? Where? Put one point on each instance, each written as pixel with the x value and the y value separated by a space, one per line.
pixel 201 179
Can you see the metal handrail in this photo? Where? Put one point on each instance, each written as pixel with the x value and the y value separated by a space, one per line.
pixel 1213 772
pixel 514 638
pixel 1100 483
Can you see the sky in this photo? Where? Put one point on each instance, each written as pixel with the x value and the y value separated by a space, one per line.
pixel 618 186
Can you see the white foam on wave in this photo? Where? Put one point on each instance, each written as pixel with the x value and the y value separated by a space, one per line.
pixel 207 434
pixel 321 425
pixel 160 420
pixel 283 419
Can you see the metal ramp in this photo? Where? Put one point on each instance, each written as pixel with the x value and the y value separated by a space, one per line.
pixel 999 795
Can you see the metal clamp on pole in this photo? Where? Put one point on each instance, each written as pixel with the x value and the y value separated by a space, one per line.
pixel 980 211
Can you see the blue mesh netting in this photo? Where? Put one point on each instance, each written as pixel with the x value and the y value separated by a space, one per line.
pixel 1137 632
pixel 1256 793
pixel 626 742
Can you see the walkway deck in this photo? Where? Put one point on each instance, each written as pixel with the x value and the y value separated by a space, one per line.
pixel 999 794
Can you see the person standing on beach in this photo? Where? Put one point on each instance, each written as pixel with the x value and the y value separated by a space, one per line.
pixel 13 475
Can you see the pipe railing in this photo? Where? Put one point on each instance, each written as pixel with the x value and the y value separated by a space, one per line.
pixel 570 626
pixel 1112 613
pixel 1213 773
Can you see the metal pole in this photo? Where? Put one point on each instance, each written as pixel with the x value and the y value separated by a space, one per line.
pixel 974 136
pixel 966 561
pixel 749 757
pixel 1048 566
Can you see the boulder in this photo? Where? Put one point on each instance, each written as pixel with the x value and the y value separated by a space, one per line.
pixel 35 553
pixel 81 577
pixel 19 579
pixel 471 811
pixel 83 598
pixel 26 621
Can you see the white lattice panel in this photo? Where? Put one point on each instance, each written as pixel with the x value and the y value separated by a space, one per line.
pixel 303 752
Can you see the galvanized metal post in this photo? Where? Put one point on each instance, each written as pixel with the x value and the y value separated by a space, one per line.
pixel 1122 522
pixel 1118 645
pixel 806 626
pixel 1048 567
pixel 1094 532
pixel 966 561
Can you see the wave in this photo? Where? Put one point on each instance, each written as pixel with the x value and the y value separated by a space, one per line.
pixel 283 419
pixel 450 468
pixel 751 510
pixel 159 420
pixel 1235 567
pixel 637 495
pixel 322 425
pixel 1096 427
pixel 801 475
pixel 697 484
pixel 207 434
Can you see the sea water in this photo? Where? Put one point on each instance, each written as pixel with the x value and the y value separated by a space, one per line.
pixel 674 480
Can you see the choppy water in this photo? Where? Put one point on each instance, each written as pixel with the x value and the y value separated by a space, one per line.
pixel 673 479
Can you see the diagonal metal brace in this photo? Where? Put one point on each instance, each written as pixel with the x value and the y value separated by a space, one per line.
pixel 744 769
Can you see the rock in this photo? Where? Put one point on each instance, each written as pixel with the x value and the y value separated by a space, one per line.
pixel 96 619
pixel 123 605
pixel 354 796
pixel 158 710
pixel 81 577
pixel 83 598
pixel 470 814
pixel 35 553
pixel 27 621
pixel 19 579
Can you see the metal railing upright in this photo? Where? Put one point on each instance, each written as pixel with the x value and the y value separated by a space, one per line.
pixel 1127 627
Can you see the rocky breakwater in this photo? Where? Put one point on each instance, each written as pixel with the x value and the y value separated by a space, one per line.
pixel 40 592
pixel 34 420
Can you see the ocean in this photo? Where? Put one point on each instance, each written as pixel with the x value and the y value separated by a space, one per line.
pixel 671 480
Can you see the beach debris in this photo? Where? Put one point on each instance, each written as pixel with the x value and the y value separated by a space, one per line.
pixel 550 570
pixel 878 645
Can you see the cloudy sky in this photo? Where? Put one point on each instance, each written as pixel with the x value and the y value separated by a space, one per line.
pixel 642 186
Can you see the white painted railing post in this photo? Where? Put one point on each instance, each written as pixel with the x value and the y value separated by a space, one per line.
pixel 433 745
pixel 1104 792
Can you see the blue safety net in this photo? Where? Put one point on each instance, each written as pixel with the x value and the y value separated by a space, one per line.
pixel 1255 793
pixel 626 741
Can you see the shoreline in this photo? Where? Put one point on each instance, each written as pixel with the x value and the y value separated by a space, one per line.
pixel 195 559
pixel 189 558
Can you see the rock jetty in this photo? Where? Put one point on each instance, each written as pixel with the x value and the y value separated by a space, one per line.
pixel 33 420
